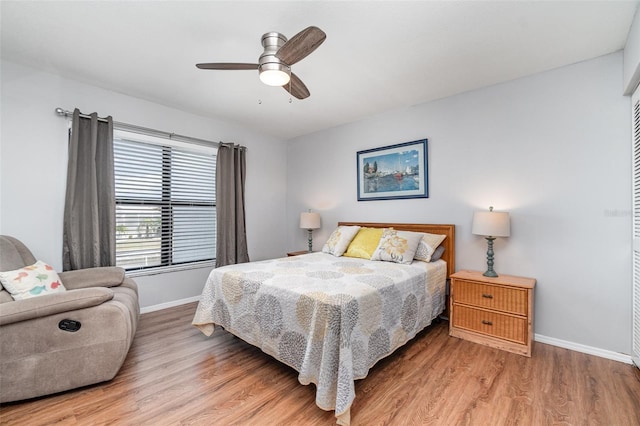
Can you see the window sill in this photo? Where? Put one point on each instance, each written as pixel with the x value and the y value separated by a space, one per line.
pixel 169 269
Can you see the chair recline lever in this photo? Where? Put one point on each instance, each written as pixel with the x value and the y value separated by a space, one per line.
pixel 69 325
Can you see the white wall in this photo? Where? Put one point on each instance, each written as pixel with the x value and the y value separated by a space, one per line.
pixel 553 149
pixel 33 156
pixel 632 56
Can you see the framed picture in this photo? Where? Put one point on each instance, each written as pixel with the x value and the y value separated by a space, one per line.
pixel 393 172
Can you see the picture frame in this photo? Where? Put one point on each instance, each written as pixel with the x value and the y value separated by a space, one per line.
pixel 393 172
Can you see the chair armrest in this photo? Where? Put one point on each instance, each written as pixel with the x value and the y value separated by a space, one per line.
pixel 105 276
pixel 51 304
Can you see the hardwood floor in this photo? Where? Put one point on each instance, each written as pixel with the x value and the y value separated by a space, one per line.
pixel 174 375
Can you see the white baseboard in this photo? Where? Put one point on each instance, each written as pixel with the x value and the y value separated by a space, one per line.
pixel 603 353
pixel 171 304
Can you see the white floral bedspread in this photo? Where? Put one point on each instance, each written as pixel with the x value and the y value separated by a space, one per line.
pixel 331 318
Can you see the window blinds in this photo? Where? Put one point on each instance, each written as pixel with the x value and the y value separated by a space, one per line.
pixel 165 203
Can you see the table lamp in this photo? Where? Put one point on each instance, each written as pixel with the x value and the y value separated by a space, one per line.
pixel 310 221
pixel 491 225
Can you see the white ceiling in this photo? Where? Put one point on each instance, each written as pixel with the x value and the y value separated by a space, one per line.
pixel 377 56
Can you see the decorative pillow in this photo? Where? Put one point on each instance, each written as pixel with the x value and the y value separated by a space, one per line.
pixel 365 243
pixel 428 245
pixel 397 246
pixel 437 254
pixel 31 281
pixel 339 240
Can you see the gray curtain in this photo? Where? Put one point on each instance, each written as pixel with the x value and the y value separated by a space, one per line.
pixel 89 238
pixel 231 244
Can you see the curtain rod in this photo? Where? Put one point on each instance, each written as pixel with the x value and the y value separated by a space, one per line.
pixel 145 130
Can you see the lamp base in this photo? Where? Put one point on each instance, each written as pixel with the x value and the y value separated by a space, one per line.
pixel 490 272
pixel 310 240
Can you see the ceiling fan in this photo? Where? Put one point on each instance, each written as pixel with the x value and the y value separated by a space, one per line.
pixel 275 62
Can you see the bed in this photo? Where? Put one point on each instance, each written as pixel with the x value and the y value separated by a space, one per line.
pixel 330 318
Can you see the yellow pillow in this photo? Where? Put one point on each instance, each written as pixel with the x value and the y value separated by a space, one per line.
pixel 364 243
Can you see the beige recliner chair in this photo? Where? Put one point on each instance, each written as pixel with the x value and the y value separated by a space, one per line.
pixel 64 340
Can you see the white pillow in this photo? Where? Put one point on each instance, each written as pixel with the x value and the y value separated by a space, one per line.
pixel 397 246
pixel 427 245
pixel 339 240
pixel 31 281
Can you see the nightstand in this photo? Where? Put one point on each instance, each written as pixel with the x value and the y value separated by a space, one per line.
pixel 298 253
pixel 496 312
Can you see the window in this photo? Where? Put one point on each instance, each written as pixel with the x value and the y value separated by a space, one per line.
pixel 165 202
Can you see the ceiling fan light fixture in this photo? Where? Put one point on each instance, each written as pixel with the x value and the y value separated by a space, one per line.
pixel 273 74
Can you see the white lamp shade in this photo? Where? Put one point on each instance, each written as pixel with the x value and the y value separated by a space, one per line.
pixel 491 224
pixel 309 220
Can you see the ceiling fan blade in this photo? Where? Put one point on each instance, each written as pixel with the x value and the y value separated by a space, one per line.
pixel 301 45
pixel 296 87
pixel 227 66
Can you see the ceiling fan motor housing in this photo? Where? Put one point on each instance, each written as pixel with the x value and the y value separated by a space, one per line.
pixel 268 61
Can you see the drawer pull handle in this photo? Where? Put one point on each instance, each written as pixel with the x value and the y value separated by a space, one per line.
pixel 487 296
pixel 485 322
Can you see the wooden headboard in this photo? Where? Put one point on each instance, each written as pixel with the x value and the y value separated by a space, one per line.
pixel 449 243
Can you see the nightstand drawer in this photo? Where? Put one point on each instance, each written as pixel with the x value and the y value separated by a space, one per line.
pixel 491 323
pixel 506 299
